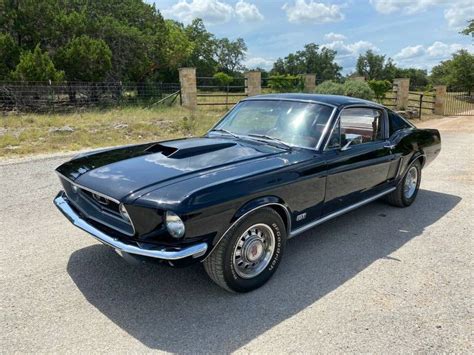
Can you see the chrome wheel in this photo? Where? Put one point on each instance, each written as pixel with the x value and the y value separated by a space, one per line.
pixel 411 182
pixel 254 250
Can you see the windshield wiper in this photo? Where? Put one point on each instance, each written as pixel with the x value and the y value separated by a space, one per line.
pixel 270 138
pixel 225 131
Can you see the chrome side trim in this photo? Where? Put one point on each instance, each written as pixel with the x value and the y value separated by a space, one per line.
pixel 288 216
pixel 194 251
pixel 338 213
pixel 263 98
pixel 87 189
pixel 326 128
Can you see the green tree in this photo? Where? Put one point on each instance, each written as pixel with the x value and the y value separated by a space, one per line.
pixel 178 47
pixel 457 72
pixel 312 59
pixel 223 79
pixel 370 65
pixel 9 55
pixel 36 66
pixel 230 54
pixel 204 48
pixel 418 77
pixel 285 82
pixel 85 59
pixel 380 88
pixel 469 30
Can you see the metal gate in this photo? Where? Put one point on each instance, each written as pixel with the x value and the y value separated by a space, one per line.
pixel 459 104
pixel 212 92
pixel 421 102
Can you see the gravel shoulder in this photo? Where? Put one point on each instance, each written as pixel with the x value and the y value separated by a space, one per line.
pixel 379 279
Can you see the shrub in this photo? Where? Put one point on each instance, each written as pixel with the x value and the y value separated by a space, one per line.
pixel 36 66
pixel 282 83
pixel 380 88
pixel 359 89
pixel 223 79
pixel 330 88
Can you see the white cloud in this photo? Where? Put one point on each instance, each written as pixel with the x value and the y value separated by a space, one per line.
pixel 258 62
pixel 247 12
pixel 313 12
pixel 425 57
pixel 211 11
pixel 410 52
pixel 407 6
pixel 458 14
pixel 331 36
pixel 442 50
pixel 350 49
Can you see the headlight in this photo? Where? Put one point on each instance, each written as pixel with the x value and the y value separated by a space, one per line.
pixel 174 224
pixel 124 213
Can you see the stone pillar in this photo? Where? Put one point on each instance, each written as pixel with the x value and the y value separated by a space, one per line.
pixel 254 83
pixel 187 81
pixel 402 87
pixel 440 99
pixel 309 82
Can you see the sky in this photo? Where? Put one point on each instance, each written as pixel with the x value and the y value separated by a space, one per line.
pixel 414 33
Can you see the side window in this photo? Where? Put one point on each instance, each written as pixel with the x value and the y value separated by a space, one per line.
pixel 358 125
pixel 361 125
pixel 396 123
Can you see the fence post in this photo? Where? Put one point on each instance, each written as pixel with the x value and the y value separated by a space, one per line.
pixel 254 83
pixel 187 81
pixel 309 82
pixel 440 99
pixel 403 88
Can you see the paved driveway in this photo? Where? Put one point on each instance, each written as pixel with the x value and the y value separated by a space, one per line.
pixel 380 279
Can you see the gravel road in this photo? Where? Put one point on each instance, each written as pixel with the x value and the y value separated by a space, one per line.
pixel 378 280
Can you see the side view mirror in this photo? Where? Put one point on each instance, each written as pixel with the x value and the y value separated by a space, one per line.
pixel 347 145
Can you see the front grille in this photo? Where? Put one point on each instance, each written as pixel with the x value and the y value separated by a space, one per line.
pixel 97 207
pixel 102 202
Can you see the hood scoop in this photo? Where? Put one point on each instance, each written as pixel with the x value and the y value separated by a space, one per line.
pixel 186 151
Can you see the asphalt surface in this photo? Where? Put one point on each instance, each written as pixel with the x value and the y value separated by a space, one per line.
pixel 380 279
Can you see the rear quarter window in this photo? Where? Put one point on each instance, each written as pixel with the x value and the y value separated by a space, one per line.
pixel 396 122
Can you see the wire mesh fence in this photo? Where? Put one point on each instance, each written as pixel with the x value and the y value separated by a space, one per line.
pixel 50 97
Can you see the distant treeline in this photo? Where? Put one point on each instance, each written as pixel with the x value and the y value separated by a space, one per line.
pixel 130 41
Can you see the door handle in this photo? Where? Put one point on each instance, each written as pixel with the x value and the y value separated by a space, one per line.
pixel 390 146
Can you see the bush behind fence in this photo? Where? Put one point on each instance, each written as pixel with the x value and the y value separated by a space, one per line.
pixel 47 97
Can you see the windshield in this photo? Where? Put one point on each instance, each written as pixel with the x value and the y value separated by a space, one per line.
pixel 292 122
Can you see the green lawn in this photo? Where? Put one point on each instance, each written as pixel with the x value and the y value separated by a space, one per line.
pixel 25 134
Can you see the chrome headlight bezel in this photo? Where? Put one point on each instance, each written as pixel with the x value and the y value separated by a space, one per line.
pixel 174 225
pixel 124 213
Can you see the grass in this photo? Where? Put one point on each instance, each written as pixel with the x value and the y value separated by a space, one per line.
pixel 26 134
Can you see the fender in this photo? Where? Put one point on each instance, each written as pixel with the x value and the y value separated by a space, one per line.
pixel 252 206
pixel 416 156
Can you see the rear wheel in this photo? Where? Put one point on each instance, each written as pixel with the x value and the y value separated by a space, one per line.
pixel 408 188
pixel 249 253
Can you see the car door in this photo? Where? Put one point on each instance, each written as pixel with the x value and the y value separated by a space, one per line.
pixel 358 158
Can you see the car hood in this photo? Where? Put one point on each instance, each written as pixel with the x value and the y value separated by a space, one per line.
pixel 123 171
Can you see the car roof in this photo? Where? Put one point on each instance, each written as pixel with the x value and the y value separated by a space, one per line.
pixel 333 100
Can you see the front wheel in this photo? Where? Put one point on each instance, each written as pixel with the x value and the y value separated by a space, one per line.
pixel 249 253
pixel 408 188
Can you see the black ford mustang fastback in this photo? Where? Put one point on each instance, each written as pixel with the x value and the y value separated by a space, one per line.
pixel 273 167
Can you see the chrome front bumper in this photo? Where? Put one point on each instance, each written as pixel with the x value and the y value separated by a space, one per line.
pixel 194 251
